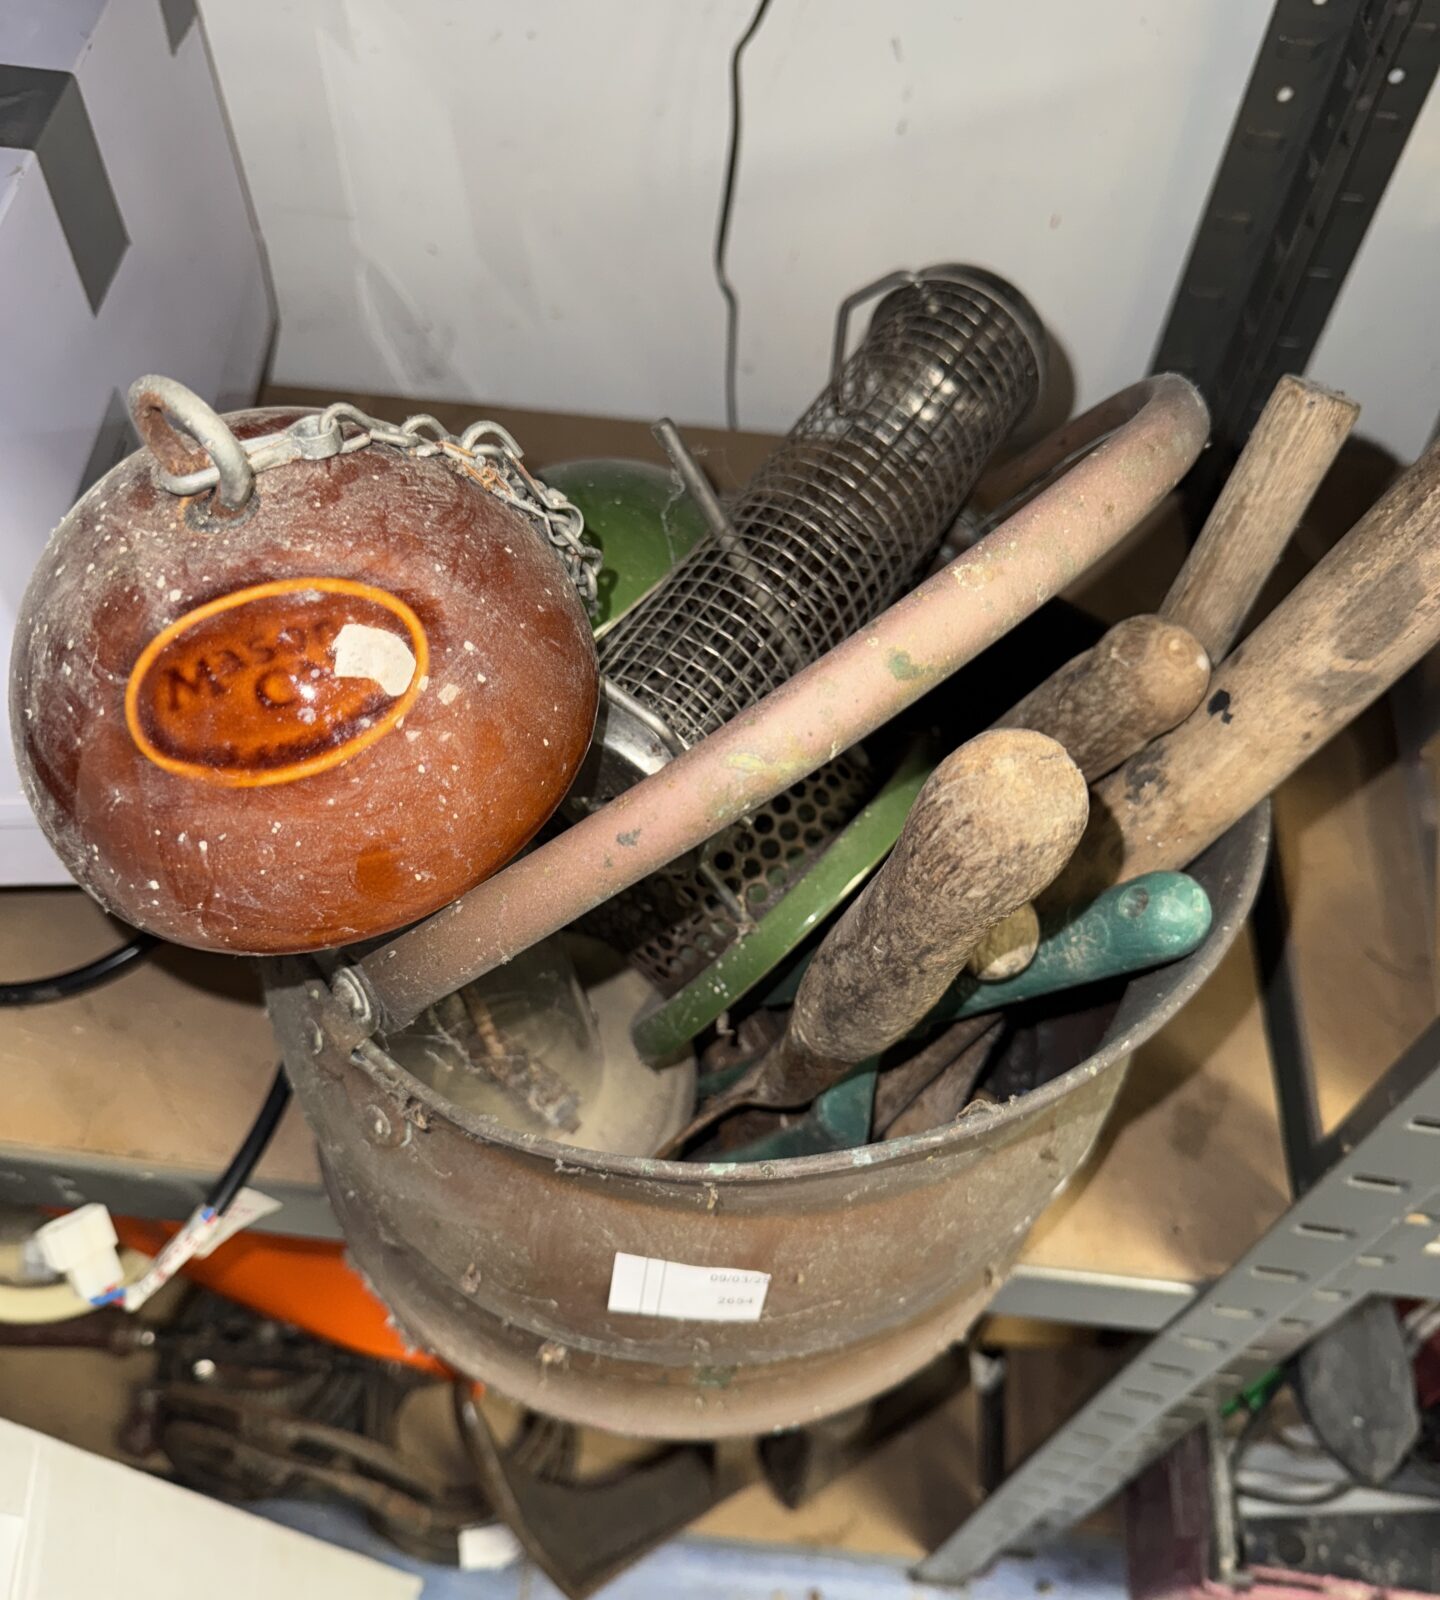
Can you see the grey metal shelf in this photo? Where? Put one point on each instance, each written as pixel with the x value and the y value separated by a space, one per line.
pixel 1368 1225
pixel 1093 1299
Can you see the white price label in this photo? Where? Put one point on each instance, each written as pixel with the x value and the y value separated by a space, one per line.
pixel 487 1548
pixel 647 1287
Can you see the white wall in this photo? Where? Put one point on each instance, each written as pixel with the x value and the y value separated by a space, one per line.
pixel 515 202
pixel 1382 345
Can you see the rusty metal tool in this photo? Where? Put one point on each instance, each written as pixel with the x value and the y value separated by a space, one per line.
pixel 945 1096
pixel 898 1087
pixel 1159 428
pixel 1368 612
pixel 996 821
pixel 1292 447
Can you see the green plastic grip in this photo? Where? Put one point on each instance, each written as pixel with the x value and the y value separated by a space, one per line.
pixel 1143 923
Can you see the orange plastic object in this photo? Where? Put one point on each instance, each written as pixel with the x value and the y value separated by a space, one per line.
pixel 306 1282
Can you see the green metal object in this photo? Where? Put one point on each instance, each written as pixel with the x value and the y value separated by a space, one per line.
pixel 856 852
pixel 1150 920
pixel 1143 923
pixel 638 516
pixel 839 1119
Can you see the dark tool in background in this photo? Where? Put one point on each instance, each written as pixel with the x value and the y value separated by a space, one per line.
pixel 582 1533
pixel 1356 1384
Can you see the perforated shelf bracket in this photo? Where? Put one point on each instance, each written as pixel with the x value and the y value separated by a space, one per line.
pixel 1370 1225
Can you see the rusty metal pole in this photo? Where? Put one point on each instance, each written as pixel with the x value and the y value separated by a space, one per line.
pixel 1160 428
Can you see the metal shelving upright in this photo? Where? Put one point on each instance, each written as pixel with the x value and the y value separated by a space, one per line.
pixel 1336 88
pixel 1368 1225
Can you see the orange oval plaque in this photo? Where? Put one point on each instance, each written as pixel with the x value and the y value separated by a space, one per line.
pixel 276 682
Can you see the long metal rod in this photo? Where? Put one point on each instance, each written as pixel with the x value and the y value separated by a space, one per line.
pixel 747 569
pixel 823 710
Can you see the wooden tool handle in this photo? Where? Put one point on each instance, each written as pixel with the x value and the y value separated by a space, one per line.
pixel 1142 679
pixel 1366 613
pixel 1005 950
pixel 1298 436
pixel 996 821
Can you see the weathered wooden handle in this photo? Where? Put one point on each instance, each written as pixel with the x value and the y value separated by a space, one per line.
pixel 996 821
pixel 1005 950
pixel 1367 613
pixel 1292 447
pixel 1142 679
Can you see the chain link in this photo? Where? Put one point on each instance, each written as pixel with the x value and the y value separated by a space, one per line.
pixel 485 452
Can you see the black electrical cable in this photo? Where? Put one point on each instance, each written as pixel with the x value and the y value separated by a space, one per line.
pixel 65 985
pixel 247 1157
pixel 722 225
pixel 1305 1495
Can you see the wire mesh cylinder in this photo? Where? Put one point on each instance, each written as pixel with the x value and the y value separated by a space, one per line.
pixel 839 520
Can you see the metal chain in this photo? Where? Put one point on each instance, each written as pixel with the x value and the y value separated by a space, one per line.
pixel 485 452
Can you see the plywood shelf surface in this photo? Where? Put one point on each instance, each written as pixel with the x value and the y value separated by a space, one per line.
pixel 164 1068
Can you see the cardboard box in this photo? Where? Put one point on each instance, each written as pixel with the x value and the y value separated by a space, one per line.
pixel 73 1526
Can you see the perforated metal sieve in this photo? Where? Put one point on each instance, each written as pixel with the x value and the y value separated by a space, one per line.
pixel 835 525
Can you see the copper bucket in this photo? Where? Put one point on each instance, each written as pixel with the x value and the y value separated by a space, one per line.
pixel 495 1249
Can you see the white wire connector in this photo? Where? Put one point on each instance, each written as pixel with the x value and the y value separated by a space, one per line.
pixel 82 1245
pixel 176 1252
pixel 201 1233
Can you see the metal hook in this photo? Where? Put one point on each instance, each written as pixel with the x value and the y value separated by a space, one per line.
pixel 891 280
pixel 156 406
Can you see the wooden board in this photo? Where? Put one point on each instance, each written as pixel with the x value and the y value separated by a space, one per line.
pixel 1356 889
pixel 166 1066
pixel 1189 1170
pixel 549 437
